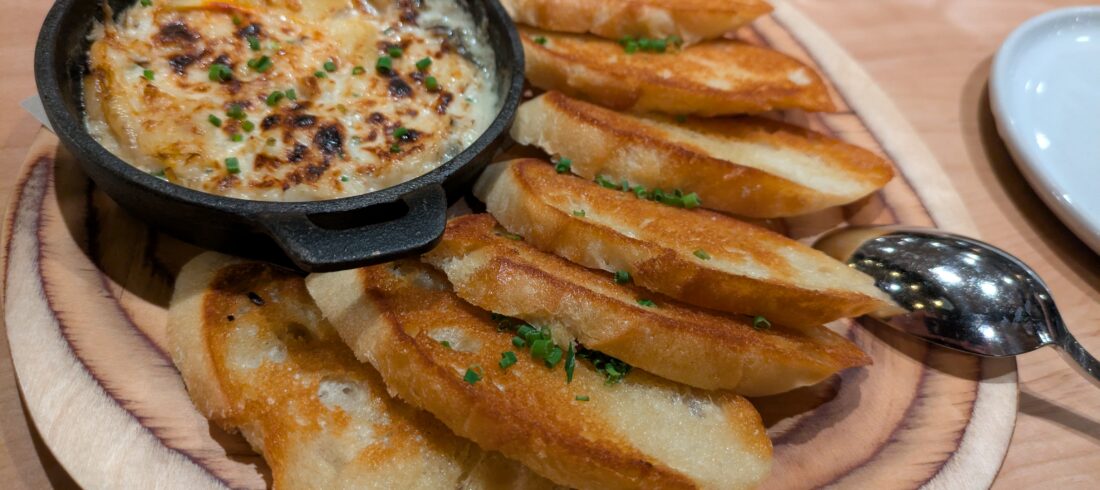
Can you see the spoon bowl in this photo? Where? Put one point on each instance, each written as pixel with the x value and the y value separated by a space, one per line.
pixel 958 292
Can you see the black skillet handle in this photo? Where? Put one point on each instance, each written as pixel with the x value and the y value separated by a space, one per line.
pixel 316 249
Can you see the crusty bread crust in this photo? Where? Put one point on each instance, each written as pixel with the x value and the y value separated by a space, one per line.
pixel 713 78
pixel 641 433
pixel 694 347
pixel 691 20
pixel 747 269
pixel 267 364
pixel 654 151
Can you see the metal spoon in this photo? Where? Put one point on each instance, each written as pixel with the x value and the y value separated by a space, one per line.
pixel 959 292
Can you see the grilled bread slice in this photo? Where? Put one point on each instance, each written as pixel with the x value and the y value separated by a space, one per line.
pixel 748 166
pixel 691 20
pixel 257 357
pixel 696 256
pixel 709 79
pixel 444 355
pixel 701 349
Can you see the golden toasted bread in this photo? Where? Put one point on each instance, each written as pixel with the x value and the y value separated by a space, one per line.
pixel 691 20
pixel 444 355
pixel 748 166
pixel 696 256
pixel 257 357
pixel 698 348
pixel 713 78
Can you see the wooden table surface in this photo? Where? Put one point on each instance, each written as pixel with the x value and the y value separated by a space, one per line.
pixel 933 58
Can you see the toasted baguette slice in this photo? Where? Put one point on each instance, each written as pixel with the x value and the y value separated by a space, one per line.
pixel 691 20
pixel 641 433
pixel 696 256
pixel 257 357
pixel 701 349
pixel 713 78
pixel 748 166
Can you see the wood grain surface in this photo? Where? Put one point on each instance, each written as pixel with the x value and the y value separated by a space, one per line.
pixel 932 58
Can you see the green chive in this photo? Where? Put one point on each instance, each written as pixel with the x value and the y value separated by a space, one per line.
pixel 511 236
pixel 248 126
pixel 691 201
pixel 400 132
pixel 232 165
pixel 631 47
pixel 640 192
pixel 292 94
pixel 319 74
pixel 622 277
pixel 554 357
pixel 541 348
pixel 274 98
pixel 623 41
pixel 359 70
pixel 261 64
pixel 423 64
pixel 215 120
pixel 146 3
pixel 471 376
pixel 579 213
pixel 445 343
pixel 647 303
pixel 236 112
pixel 149 75
pixel 508 359
pixel 528 333
pixel 220 73
pixel 344 178
pixel 384 65
pixel 582 398
pixel 564 165
pixel 761 323
pixel 658 45
pixel 544 333
pixel 432 84
pixel 605 182
pixel 702 254
pixel 330 66
pixel 570 363
pixel 395 148
pixel 395 52
pixel 519 342
pixel 254 43
pixel 237 137
pixel 540 40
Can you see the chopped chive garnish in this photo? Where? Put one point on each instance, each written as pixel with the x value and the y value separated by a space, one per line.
pixel 508 359
pixel 540 40
pixel 639 192
pixel 330 66
pixel 232 165
pixel 395 148
pixel 445 343
pixel 541 348
pixel 400 132
pixel 344 178
pixel 761 323
pixel 605 182
pixel 261 64
pixel 292 94
pixel 423 64
pixel 248 126
pixel 432 84
pixel 622 277
pixel 236 112
pixel 582 398
pixel 613 369
pixel 254 43
pixel 579 213
pixel 702 254
pixel 647 303
pixel 528 333
pixel 237 137
pixel 146 3
pixel 518 341
pixel 570 363
pixel 395 52
pixel 471 376
pixel 691 201
pixel 274 98
pixel 384 65
pixel 149 75
pixel 359 70
pixel 511 236
pixel 220 73
pixel 564 165
pixel 215 120
pixel 554 356
pixel 320 74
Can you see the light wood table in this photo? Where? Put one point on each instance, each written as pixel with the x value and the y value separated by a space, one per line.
pixel 932 57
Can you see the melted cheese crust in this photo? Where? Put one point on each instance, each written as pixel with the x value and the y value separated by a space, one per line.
pixel 151 99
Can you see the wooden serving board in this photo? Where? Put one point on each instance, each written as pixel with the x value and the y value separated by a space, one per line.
pixel 85 288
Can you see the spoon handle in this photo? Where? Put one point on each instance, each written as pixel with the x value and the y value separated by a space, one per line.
pixel 1077 353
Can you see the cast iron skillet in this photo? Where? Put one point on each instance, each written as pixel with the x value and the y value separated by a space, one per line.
pixel 316 236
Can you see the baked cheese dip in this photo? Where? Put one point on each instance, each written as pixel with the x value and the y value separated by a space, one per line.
pixel 289 100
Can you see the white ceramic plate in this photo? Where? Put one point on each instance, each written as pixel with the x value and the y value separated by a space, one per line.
pixel 1045 94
